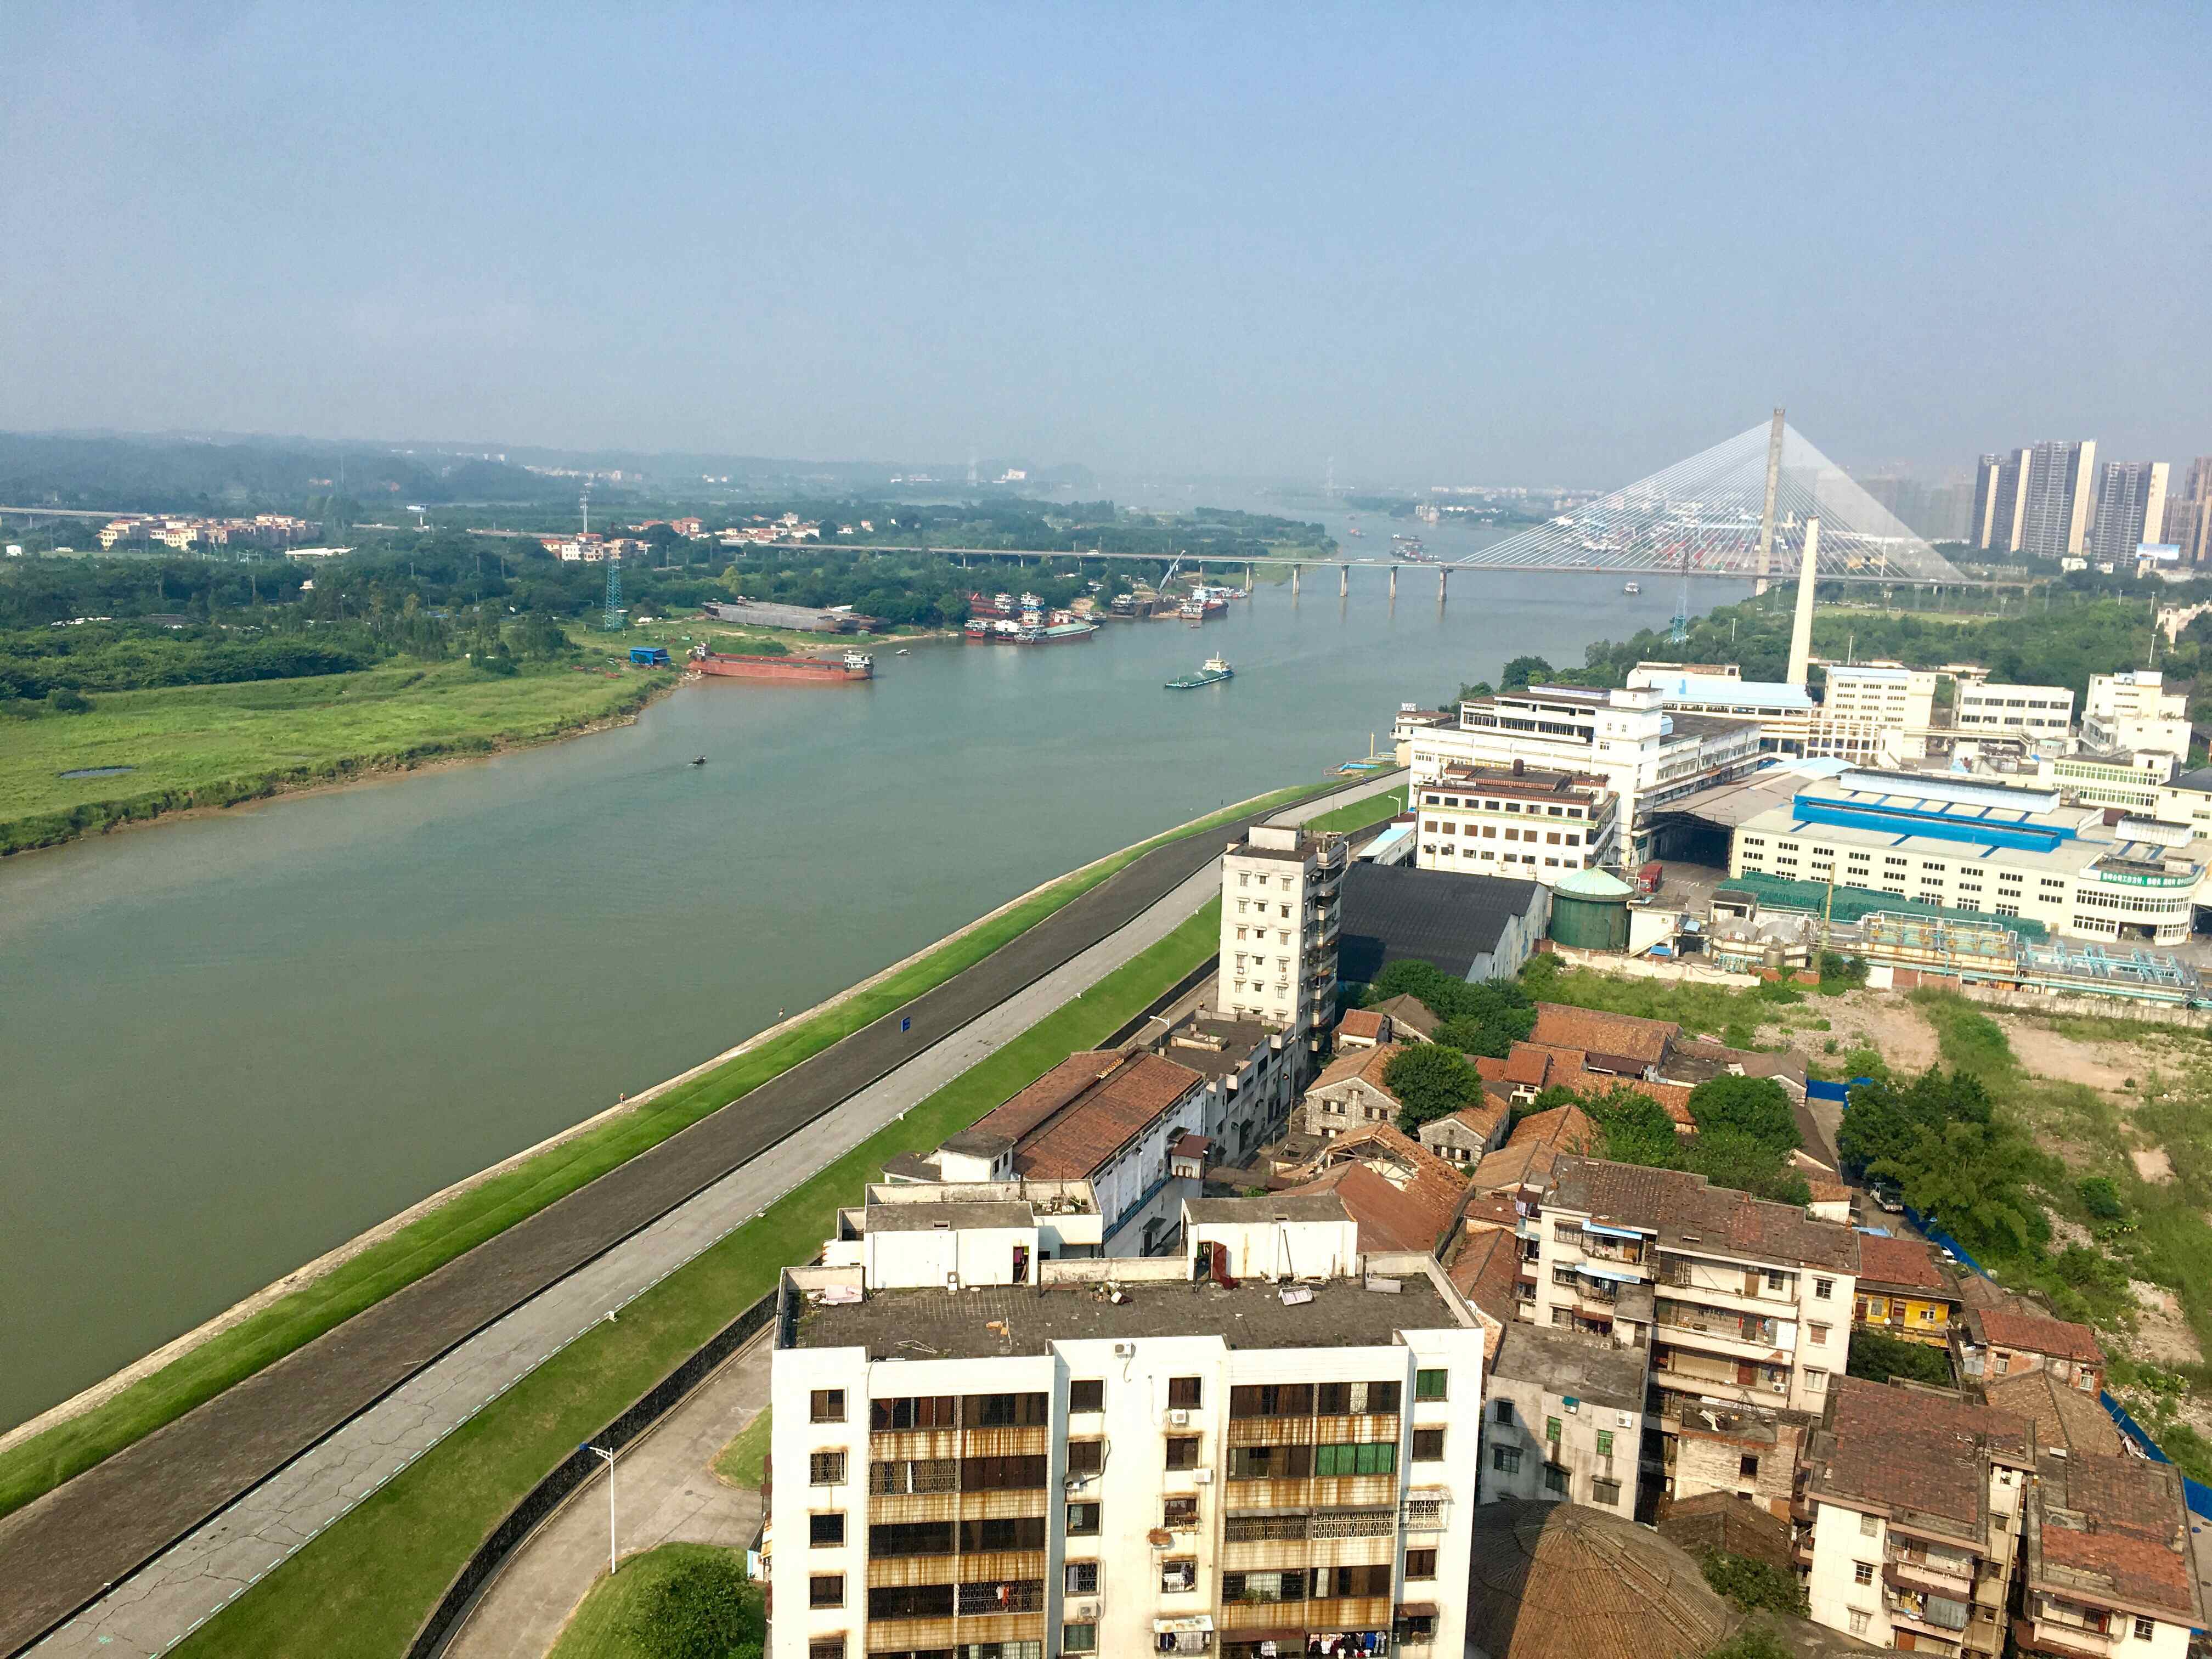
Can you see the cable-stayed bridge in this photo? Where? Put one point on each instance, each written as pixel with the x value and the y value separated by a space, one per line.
pixel 1706 516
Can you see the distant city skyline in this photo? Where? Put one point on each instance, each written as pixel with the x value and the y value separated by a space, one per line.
pixel 1232 243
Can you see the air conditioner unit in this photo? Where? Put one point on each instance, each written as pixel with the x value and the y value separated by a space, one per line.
pixel 1782 1388
pixel 1202 1477
pixel 1179 1418
pixel 1125 1351
pixel 1082 1612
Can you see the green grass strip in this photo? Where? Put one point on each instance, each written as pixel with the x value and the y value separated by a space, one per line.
pixel 43 1462
pixel 1376 809
pixel 364 1587
pixel 744 1461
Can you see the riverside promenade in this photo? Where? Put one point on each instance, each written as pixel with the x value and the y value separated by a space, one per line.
pixel 132 1555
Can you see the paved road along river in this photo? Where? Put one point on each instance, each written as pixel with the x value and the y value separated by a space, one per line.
pixel 261 1031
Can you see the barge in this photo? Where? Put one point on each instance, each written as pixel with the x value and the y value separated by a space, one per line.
pixel 851 669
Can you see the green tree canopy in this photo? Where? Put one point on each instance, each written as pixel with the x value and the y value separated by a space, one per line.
pixel 705 1609
pixel 1431 1081
pixel 1758 1107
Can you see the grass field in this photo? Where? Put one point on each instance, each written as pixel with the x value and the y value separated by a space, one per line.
pixel 43 1462
pixel 215 745
pixel 601 1626
pixel 1361 813
pixel 363 1587
pixel 744 1461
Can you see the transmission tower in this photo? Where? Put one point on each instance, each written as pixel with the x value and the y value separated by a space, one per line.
pixel 613 618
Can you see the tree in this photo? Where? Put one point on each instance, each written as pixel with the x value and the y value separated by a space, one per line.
pixel 1757 1107
pixel 1636 1128
pixel 1431 1081
pixel 1522 671
pixel 1878 1357
pixel 1751 1585
pixel 704 1609
pixel 1731 1158
pixel 1952 1158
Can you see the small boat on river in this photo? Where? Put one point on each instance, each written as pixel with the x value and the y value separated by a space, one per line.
pixel 1216 670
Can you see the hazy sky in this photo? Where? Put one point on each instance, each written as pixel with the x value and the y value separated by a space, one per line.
pixel 1445 243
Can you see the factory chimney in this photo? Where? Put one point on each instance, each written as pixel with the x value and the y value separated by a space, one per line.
pixel 1800 630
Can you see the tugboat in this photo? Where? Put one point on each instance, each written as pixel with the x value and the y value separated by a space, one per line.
pixel 1217 669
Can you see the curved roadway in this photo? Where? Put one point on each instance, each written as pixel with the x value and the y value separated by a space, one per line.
pixel 78 1544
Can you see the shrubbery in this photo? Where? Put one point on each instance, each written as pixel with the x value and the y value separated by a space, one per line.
pixel 705 1609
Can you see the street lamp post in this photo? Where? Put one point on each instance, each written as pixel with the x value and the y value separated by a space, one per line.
pixel 608 1458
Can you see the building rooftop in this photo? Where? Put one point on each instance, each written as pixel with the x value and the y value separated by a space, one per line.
pixel 2059 1339
pixel 1213 1046
pixel 1588 1368
pixel 1918 1453
pixel 1907 1263
pixel 1404 1196
pixel 2113 1527
pixel 1078 1114
pixel 1523 781
pixel 1408 1013
pixel 1537 1143
pixel 1366 1065
pixel 1540 1065
pixel 1596 1032
pixel 1485 1269
pixel 1395 913
pixel 1015 1319
pixel 1295 849
pixel 1687 1213
pixel 2057 1416
pixel 1275 1206
pixel 1565 1580
pixel 952 1217
pixel 1362 1023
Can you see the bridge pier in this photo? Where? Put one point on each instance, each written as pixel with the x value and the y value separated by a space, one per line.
pixel 1295 570
pixel 1248 580
pixel 1393 584
pixel 1441 574
pixel 1343 581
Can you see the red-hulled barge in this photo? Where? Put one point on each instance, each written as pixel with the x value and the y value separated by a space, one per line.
pixel 851 669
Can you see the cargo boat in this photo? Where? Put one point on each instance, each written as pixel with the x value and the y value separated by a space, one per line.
pixel 848 670
pixel 999 631
pixel 1063 632
pixel 1217 669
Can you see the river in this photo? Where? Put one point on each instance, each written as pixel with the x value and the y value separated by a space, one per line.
pixel 233 1042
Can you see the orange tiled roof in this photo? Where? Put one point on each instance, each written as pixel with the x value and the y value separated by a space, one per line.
pixel 1907 1261
pixel 1404 1196
pixel 1076 1115
pixel 1560 1026
pixel 1367 1065
pixel 2059 1339
pixel 1361 1023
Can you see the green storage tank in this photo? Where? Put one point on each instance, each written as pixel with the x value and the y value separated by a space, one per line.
pixel 1589 911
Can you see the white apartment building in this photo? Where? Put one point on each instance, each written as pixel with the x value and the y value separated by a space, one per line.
pixel 1281 913
pixel 1872 700
pixel 1741 1301
pixel 1565 1420
pixel 2133 712
pixel 1970 844
pixel 1647 755
pixel 1872 714
pixel 1251 1072
pixel 1269 1438
pixel 1986 707
pixel 1515 821
pixel 1915 1496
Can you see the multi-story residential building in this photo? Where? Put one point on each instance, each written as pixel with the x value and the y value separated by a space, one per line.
pixel 1129 1123
pixel 2189 526
pixel 1281 915
pixel 1515 821
pixel 1269 1438
pixel 1750 1452
pixel 1565 1419
pixel 1999 511
pixel 2055 505
pixel 1904 1291
pixel 1985 707
pixel 1251 1073
pixel 1909 1517
pixel 2130 509
pixel 1740 1300
pixel 1974 846
pixel 2107 1569
pixel 1881 696
pixel 1647 755
pixel 1989 1343
pixel 2133 714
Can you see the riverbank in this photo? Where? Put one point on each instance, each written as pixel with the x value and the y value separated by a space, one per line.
pixel 172 751
pixel 285 1316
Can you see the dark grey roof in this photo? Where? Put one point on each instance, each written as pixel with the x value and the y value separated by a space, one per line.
pixel 2199 781
pixel 1395 913
pixel 951 1214
pixel 1567 1362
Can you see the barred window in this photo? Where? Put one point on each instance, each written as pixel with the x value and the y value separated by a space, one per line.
pixel 1259 1529
pixel 1003 1596
pixel 826 1531
pixel 1082 1578
pixel 826 1468
pixel 1425 1515
pixel 1355 1523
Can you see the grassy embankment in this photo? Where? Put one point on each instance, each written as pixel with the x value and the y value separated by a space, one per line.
pixel 744 1461
pixel 601 1625
pixel 216 746
pixel 40 1464
pixel 1361 813
pixel 363 1586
